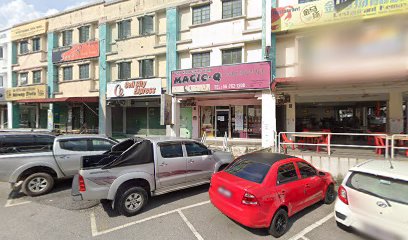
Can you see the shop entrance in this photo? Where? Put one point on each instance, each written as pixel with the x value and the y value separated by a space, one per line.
pixel 221 123
pixel 28 116
pixel 186 122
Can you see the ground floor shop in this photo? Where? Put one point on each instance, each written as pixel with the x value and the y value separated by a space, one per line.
pixel 3 116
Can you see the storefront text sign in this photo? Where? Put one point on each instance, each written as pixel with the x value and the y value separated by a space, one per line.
pixel 76 52
pixel 222 78
pixel 29 30
pixel 326 11
pixel 23 93
pixel 135 88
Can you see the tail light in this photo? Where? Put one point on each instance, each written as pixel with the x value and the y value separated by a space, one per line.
pixel 249 199
pixel 81 182
pixel 343 195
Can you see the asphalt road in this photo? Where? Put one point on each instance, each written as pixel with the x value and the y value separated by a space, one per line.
pixel 183 215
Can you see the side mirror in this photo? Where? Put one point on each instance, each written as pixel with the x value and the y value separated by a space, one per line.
pixel 322 174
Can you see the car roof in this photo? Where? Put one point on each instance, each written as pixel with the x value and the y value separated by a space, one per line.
pixel 399 169
pixel 26 133
pixel 167 139
pixel 76 136
pixel 266 157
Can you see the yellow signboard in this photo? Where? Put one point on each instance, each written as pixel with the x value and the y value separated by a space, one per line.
pixel 29 30
pixel 24 93
pixel 324 12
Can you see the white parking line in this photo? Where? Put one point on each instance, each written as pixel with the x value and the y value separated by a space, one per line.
pixel 198 236
pixel 311 227
pixel 10 203
pixel 95 231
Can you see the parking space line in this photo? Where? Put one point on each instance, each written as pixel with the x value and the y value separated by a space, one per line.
pixel 198 236
pixel 305 238
pixel 312 227
pixel 95 231
pixel 10 203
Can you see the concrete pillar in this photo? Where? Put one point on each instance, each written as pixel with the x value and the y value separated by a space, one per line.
pixel 2 118
pixel 37 116
pixel 268 119
pixel 52 77
pixel 291 114
pixel 15 111
pixel 9 115
pixel 395 117
pixel 174 130
pixel 196 123
pixel 103 78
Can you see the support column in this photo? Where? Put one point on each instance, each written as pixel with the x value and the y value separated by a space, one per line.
pixel 291 114
pixel 395 119
pixel 14 108
pixel 2 118
pixel 103 79
pixel 172 28
pixel 9 115
pixel 52 77
pixel 268 119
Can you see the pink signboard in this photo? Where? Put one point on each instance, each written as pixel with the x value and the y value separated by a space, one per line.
pixel 222 78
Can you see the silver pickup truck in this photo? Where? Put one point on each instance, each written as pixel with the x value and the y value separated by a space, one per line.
pixel 38 168
pixel 137 169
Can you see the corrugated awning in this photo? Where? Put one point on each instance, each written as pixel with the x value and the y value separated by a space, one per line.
pixel 60 100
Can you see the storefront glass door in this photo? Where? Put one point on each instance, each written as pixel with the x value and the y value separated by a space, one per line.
pixel 186 122
pixel 28 117
pixel 221 123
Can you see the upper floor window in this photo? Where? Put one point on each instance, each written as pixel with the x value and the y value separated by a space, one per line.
pixel 37 77
pixel 201 59
pixel 1 81
pixel 146 25
pixel 232 56
pixel 23 78
pixel 146 68
pixel 231 8
pixel 201 14
pixel 84 71
pixel 36 44
pixel 1 53
pixel 67 73
pixel 24 47
pixel 124 70
pixel 84 34
pixel 67 38
pixel 124 29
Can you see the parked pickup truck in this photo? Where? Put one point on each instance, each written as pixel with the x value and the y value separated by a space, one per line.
pixel 137 169
pixel 38 168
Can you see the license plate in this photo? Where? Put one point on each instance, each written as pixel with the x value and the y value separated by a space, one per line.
pixel 224 192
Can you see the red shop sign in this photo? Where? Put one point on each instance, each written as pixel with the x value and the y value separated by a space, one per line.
pixel 76 52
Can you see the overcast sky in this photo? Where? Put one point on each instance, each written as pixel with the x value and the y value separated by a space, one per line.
pixel 16 11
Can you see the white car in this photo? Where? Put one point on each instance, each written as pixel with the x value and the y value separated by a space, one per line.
pixel 373 199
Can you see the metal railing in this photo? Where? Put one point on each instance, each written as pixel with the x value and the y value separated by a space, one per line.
pixel 398 137
pixel 329 145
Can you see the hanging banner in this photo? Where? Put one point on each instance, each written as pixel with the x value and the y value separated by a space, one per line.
pixel 29 30
pixel 76 52
pixel 322 12
pixel 166 109
pixel 239 118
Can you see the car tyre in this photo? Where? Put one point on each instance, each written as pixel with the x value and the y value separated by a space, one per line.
pixel 131 201
pixel 37 184
pixel 330 195
pixel 279 224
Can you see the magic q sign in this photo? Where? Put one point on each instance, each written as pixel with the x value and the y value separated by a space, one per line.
pixel 222 78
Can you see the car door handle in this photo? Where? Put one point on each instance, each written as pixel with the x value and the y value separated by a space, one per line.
pixel 307 186
pixel 163 165
pixel 64 157
pixel 191 161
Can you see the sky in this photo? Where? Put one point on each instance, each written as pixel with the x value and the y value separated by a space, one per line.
pixel 17 11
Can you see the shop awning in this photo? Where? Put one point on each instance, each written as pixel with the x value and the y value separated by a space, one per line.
pixel 60 100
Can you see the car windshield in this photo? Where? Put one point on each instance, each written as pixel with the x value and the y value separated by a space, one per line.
pixel 248 170
pixel 379 186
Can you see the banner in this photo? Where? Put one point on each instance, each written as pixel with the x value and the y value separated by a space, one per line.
pixel 134 88
pixel 76 52
pixel 222 78
pixel 29 30
pixel 24 93
pixel 322 12
pixel 166 109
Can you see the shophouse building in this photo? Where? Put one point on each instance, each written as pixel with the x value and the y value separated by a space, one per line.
pixel 5 74
pixel 341 66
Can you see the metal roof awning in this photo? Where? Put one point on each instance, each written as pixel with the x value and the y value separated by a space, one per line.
pixel 62 100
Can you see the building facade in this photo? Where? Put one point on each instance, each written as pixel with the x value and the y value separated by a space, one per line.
pixel 5 75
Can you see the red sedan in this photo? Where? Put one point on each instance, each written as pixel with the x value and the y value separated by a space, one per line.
pixel 261 190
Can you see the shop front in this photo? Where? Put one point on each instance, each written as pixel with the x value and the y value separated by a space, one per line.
pixel 3 109
pixel 135 107
pixel 224 101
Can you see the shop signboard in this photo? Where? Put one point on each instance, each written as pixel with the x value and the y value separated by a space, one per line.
pixel 166 109
pixel 24 93
pixel 222 78
pixel 76 52
pixel 134 88
pixel 29 30
pixel 322 12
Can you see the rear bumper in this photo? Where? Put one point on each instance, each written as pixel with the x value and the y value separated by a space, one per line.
pixel 76 195
pixel 250 216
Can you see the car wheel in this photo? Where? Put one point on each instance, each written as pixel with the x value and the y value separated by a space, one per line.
pixel 330 195
pixel 279 224
pixel 38 184
pixel 131 201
